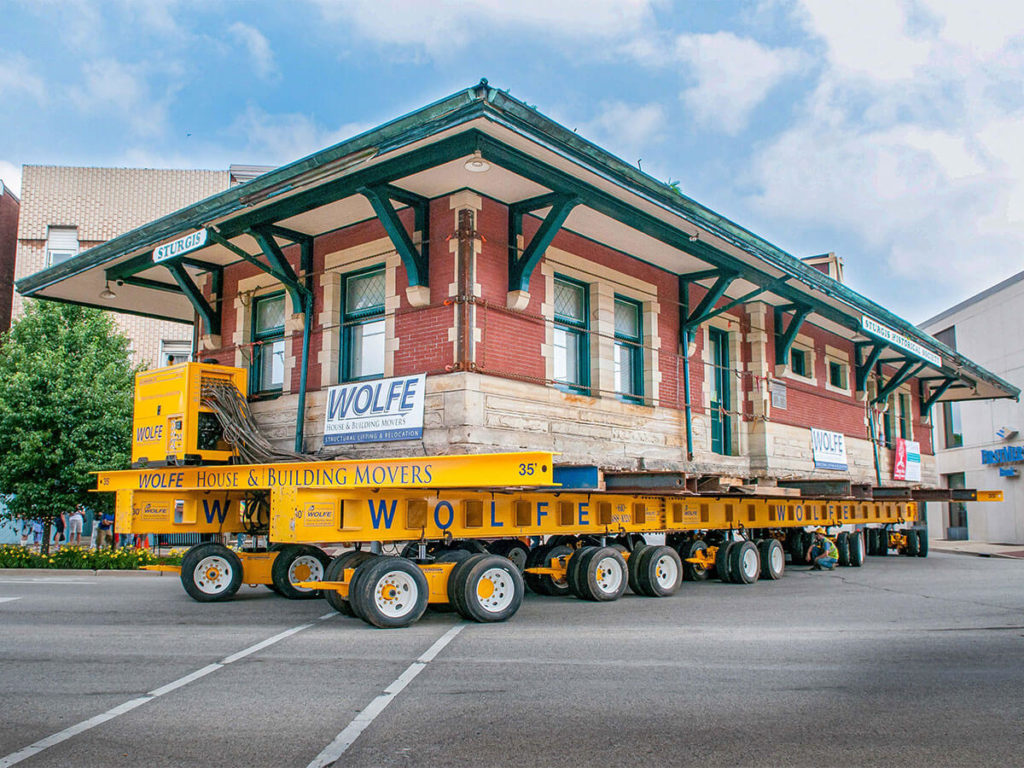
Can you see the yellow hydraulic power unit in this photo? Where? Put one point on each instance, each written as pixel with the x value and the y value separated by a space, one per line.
pixel 171 427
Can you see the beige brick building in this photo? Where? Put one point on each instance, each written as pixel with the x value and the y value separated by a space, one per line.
pixel 65 210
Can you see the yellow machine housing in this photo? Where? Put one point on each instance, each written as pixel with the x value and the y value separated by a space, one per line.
pixel 170 426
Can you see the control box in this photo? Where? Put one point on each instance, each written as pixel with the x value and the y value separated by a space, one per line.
pixel 170 426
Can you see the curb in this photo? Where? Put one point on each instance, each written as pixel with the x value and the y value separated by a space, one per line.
pixel 973 554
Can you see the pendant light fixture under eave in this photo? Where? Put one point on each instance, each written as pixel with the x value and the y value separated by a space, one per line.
pixel 106 293
pixel 477 164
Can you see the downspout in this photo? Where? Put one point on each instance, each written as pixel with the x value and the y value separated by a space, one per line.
pixel 874 443
pixel 686 394
pixel 300 417
pixel 684 338
pixel 464 348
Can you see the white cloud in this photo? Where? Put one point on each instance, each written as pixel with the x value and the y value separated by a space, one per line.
pixel 626 129
pixel 732 76
pixel 275 139
pixel 10 175
pixel 908 145
pixel 442 26
pixel 258 48
pixel 16 76
pixel 118 89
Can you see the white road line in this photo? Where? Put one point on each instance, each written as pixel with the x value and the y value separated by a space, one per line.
pixel 333 751
pixel 128 706
pixel 46 581
pixel 8 599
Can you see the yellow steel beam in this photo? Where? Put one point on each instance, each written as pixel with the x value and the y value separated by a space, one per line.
pixel 531 468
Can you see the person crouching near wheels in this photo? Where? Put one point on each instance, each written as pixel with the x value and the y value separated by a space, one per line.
pixel 822 552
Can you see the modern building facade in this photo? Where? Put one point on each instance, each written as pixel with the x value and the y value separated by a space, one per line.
pixel 66 210
pixel 10 206
pixel 550 296
pixel 981 444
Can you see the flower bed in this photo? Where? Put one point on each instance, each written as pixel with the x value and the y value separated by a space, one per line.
pixel 14 556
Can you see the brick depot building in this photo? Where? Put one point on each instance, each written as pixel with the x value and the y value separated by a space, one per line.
pixel 554 297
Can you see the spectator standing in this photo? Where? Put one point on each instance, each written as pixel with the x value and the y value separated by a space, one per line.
pixel 105 531
pixel 75 522
pixel 59 528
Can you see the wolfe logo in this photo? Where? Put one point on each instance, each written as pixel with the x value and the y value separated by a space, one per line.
pixel 150 511
pixel 213 509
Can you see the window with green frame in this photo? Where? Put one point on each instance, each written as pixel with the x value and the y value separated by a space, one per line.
pixel 571 350
pixel 363 325
pixel 887 431
pixel 953 431
pixel 904 402
pixel 629 358
pixel 267 374
pixel 837 374
pixel 798 362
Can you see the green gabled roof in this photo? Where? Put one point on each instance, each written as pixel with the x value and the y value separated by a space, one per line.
pixel 499 107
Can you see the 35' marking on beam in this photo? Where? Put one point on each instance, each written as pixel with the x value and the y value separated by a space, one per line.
pixel 333 751
pixel 62 736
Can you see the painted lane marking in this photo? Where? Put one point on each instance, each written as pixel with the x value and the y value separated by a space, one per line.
pixel 61 736
pixel 333 751
pixel 8 599
pixel 45 581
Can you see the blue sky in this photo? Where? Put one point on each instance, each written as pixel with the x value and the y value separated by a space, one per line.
pixel 889 132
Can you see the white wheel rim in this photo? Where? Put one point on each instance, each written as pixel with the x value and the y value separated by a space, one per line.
pixel 518 557
pixel 305 568
pixel 608 575
pixel 777 559
pixel 749 563
pixel 665 572
pixel 212 575
pixel 395 594
pixel 495 590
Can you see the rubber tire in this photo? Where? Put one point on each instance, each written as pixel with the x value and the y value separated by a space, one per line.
pixel 767 548
pixel 335 570
pixel 912 540
pixel 470 545
pixel 855 546
pixel 572 576
pixel 737 561
pixel 883 542
pixel 842 545
pixel 871 535
pixel 647 576
pixel 722 561
pixel 689 548
pixel 464 583
pixel 922 542
pixel 541 557
pixel 793 544
pixel 362 596
pixel 587 576
pixel 449 556
pixel 513 549
pixel 633 566
pixel 283 562
pixel 196 555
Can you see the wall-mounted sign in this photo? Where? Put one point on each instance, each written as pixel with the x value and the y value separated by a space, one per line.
pixel 778 390
pixel 890 336
pixel 907 463
pixel 1009 472
pixel 829 449
pixel 1007 455
pixel 181 245
pixel 375 411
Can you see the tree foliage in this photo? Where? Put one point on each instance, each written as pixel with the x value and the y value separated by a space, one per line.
pixel 66 389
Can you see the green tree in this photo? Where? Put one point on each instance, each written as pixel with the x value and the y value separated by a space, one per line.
pixel 66 389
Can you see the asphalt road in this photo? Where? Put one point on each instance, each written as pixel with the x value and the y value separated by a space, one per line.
pixel 905 661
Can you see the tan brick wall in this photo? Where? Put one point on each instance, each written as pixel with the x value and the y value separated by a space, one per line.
pixel 104 203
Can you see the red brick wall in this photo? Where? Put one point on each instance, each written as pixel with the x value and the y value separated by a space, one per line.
pixel 9 207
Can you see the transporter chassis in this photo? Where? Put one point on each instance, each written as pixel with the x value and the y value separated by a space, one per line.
pixel 465 524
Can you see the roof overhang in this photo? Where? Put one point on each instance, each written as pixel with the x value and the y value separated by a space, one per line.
pixel 423 156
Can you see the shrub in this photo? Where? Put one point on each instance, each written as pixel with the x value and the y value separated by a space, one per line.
pixel 14 556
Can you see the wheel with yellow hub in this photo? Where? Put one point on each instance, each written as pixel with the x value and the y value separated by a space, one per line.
pixel 336 572
pixel 297 563
pixel 486 588
pixel 603 576
pixel 389 592
pixel 545 584
pixel 210 572
pixel 660 571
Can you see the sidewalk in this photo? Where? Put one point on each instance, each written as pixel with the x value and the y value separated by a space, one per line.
pixel 978 548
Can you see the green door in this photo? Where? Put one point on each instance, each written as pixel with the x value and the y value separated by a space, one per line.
pixel 721 440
